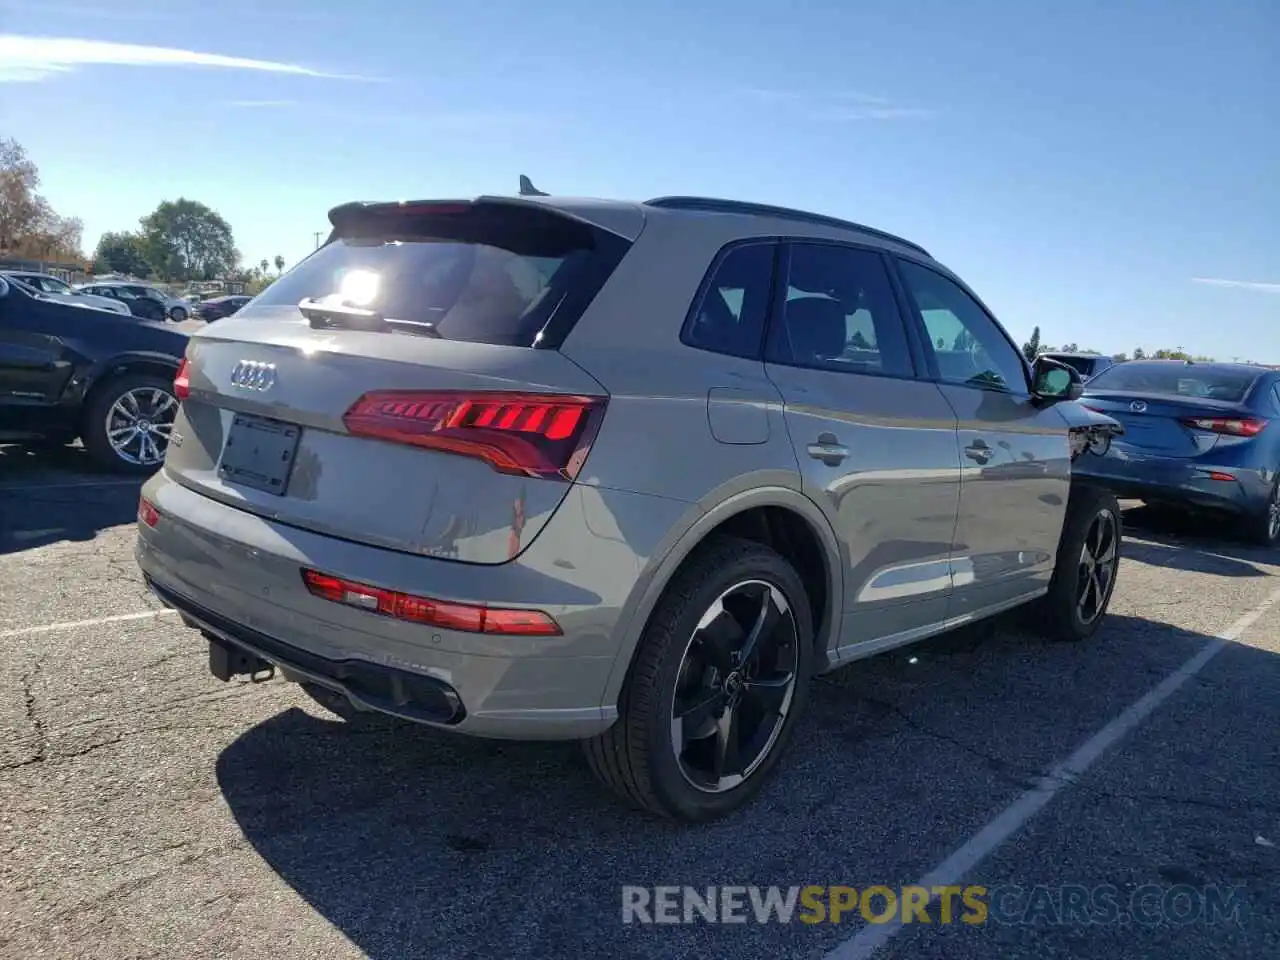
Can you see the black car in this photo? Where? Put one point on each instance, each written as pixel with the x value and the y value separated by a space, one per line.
pixel 67 372
pixel 142 301
pixel 219 307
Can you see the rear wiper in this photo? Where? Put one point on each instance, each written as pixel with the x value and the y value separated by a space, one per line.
pixel 335 315
pixel 328 314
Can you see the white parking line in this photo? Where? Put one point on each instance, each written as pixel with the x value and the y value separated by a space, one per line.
pixel 953 869
pixel 74 624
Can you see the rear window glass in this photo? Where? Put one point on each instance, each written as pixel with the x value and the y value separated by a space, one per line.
pixel 1176 379
pixel 478 278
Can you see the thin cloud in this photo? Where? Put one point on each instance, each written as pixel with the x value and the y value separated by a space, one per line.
pixel 260 104
pixel 26 59
pixel 1239 284
pixel 839 114
pixel 840 106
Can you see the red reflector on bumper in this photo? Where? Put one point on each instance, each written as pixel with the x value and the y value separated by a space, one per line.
pixel 147 513
pixel 437 613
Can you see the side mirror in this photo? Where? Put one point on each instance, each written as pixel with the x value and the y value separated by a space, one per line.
pixel 1053 381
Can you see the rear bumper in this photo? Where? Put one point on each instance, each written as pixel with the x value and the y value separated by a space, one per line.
pixel 1176 480
pixel 238 577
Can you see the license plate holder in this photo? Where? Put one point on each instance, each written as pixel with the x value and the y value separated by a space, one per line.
pixel 259 453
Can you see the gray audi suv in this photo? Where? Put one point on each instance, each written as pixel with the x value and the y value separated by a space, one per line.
pixel 628 473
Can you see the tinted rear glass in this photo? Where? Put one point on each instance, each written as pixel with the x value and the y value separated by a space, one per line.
pixel 487 277
pixel 1177 380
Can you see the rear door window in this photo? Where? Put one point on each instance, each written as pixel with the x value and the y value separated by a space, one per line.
pixel 730 313
pixel 481 273
pixel 839 314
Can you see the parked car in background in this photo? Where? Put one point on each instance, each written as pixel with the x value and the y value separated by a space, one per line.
pixel 629 473
pixel 1200 436
pixel 141 300
pixel 219 307
pixel 63 292
pixel 1088 365
pixel 68 372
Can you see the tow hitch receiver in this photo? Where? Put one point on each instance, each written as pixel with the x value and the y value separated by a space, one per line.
pixel 227 661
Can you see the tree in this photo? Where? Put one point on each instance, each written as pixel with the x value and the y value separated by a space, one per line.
pixel 122 253
pixel 279 262
pixel 185 240
pixel 29 227
pixel 1031 349
pixel 1139 354
pixel 263 265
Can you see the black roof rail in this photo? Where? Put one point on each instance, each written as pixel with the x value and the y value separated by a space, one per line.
pixel 746 208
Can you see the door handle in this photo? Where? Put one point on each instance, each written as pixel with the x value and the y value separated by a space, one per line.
pixel 828 450
pixel 979 452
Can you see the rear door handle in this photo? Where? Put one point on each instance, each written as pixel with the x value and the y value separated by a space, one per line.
pixel 979 452
pixel 828 450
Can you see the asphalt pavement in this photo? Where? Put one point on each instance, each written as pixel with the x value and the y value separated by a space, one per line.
pixel 147 810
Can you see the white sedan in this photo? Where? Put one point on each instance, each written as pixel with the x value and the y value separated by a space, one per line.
pixel 63 292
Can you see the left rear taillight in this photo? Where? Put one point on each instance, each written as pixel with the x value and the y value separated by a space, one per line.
pixel 147 512
pixel 1230 426
pixel 182 381
pixel 468 618
pixel 535 435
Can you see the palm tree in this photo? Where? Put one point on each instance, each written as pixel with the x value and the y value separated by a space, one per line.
pixel 279 264
pixel 263 265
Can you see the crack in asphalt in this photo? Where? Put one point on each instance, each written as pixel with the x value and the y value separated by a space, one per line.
pixel 32 716
pixel 1012 773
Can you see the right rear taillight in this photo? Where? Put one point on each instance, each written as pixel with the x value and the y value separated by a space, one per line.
pixel 1231 426
pixel 182 381
pixel 535 435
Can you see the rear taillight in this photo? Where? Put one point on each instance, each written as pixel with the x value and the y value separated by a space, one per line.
pixel 536 435
pixel 147 513
pixel 434 613
pixel 182 381
pixel 1231 426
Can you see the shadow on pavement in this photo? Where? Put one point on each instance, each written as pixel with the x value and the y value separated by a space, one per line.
pixel 1192 543
pixel 55 494
pixel 415 843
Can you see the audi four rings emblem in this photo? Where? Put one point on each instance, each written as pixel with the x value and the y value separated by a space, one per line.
pixel 1138 406
pixel 253 375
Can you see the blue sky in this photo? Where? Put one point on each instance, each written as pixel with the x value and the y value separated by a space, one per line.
pixel 1080 163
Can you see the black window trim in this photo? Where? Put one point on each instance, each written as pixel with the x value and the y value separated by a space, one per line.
pixel 704 288
pixel 922 330
pixel 782 272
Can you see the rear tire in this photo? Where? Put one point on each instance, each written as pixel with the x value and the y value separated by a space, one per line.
pixel 1084 575
pixel 690 664
pixel 1264 528
pixel 148 394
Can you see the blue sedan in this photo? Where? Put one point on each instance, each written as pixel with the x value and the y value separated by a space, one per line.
pixel 1202 436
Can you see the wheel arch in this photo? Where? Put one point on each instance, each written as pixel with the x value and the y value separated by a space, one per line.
pixel 753 514
pixel 103 372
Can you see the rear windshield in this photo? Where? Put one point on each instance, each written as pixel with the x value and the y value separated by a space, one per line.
pixel 482 277
pixel 1176 380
